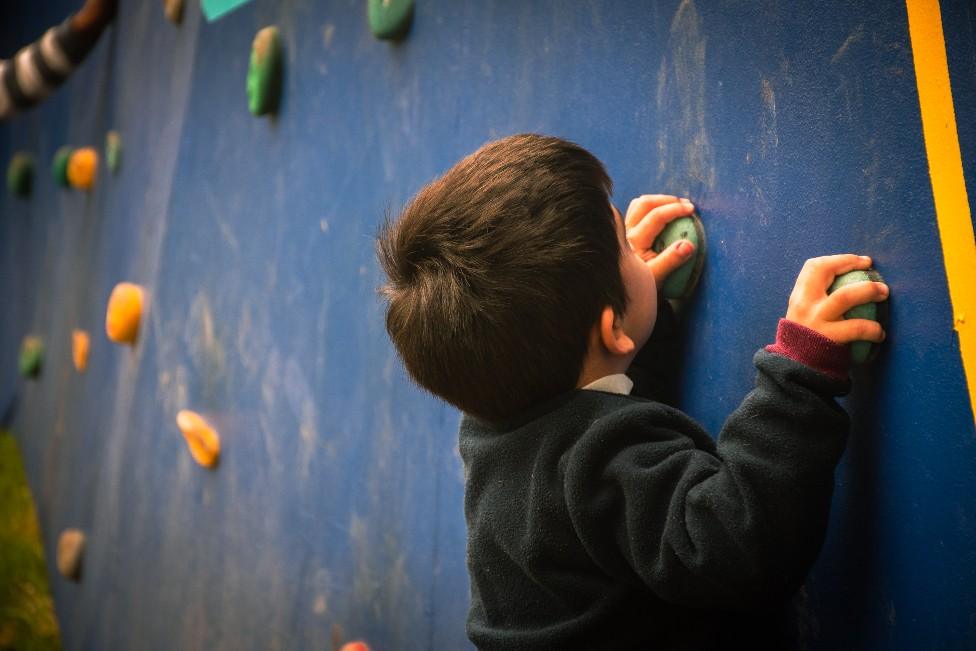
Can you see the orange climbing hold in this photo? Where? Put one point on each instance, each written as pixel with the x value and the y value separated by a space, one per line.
pixel 355 646
pixel 80 345
pixel 202 439
pixel 82 167
pixel 124 313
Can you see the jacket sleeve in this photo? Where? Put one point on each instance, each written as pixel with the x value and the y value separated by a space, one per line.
pixel 738 528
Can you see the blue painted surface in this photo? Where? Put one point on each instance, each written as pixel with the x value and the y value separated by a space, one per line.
pixel 335 512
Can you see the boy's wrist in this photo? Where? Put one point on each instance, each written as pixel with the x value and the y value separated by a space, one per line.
pixel 811 348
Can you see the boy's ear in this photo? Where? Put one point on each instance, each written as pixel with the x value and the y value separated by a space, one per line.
pixel 612 334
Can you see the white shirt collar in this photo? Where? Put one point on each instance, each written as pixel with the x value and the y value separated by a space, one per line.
pixel 617 383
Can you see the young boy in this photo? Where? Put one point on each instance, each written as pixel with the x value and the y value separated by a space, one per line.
pixel 599 519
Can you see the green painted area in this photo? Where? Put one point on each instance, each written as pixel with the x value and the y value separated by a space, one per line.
pixel 862 351
pixel 683 280
pixel 20 174
pixel 27 620
pixel 390 19
pixel 214 9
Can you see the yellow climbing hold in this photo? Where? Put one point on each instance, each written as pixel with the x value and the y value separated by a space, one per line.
pixel 202 439
pixel 124 313
pixel 82 167
pixel 80 345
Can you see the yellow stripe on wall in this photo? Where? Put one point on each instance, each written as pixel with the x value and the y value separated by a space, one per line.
pixel 945 170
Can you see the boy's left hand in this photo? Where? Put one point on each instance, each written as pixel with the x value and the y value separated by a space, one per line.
pixel 647 216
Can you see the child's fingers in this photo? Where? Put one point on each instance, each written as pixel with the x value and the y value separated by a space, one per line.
pixel 824 269
pixel 645 204
pixel 818 273
pixel 844 332
pixel 853 295
pixel 670 259
pixel 642 235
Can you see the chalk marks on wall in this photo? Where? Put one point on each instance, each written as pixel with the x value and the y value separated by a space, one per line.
pixel 686 161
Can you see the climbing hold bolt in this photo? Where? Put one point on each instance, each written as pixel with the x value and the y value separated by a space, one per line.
pixel 59 165
pixel 863 351
pixel 201 438
pixel 20 174
pixel 264 72
pixel 124 313
pixel 82 166
pixel 71 549
pixel 390 19
pixel 80 345
pixel 31 356
pixel 683 280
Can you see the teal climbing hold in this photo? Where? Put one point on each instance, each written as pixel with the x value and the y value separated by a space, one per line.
pixel 31 357
pixel 59 165
pixel 863 351
pixel 264 72
pixel 20 174
pixel 113 151
pixel 214 9
pixel 683 280
pixel 390 19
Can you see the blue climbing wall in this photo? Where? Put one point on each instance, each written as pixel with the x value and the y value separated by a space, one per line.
pixel 336 511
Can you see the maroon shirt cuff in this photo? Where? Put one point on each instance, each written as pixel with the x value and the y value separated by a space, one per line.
pixel 809 347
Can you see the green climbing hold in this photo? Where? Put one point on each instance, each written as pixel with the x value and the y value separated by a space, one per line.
pixel 863 351
pixel 113 151
pixel 390 19
pixel 59 165
pixel 683 280
pixel 20 174
pixel 264 72
pixel 31 356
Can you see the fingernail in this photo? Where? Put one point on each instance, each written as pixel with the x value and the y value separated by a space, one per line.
pixel 687 202
pixel 685 247
pixel 884 290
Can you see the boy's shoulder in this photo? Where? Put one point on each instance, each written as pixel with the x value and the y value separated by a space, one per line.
pixel 583 418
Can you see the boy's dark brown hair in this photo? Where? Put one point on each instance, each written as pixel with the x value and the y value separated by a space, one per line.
pixel 498 271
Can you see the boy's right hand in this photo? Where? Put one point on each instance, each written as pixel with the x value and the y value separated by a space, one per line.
pixel 811 306
pixel 646 217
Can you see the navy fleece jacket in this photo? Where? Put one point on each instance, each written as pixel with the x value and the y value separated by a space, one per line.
pixel 605 521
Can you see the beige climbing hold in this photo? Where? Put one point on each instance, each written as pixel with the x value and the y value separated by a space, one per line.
pixel 82 167
pixel 124 313
pixel 80 345
pixel 71 548
pixel 202 439
pixel 173 10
